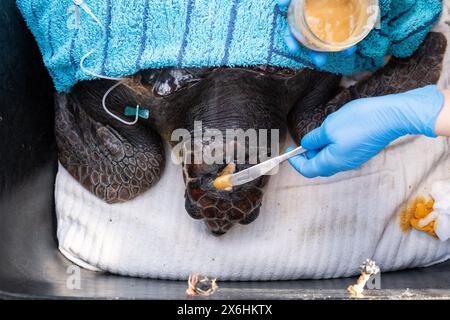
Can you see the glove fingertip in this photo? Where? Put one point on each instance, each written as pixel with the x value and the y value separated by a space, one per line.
pixel 300 163
pixel 314 140
pixel 283 4
pixel 306 142
pixel 349 51
pixel 291 43
pixel 297 162
pixel 319 58
pixel 288 149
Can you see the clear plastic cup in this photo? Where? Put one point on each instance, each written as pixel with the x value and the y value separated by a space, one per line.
pixel 368 18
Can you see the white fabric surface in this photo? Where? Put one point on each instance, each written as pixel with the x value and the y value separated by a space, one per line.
pixel 318 228
pixel 307 228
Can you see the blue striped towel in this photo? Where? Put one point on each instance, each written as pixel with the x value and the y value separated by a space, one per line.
pixel 194 33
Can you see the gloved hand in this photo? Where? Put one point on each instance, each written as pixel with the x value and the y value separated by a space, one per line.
pixel 318 58
pixel 362 128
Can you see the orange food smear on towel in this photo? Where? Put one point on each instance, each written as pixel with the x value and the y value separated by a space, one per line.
pixel 417 209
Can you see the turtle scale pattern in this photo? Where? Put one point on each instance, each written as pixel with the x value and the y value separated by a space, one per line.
pixel 103 161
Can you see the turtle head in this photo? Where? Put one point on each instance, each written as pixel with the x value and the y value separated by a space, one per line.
pixel 220 207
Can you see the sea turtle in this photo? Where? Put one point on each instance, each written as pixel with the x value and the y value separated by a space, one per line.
pixel 117 162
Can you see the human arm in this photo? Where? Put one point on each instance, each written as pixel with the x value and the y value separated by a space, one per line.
pixel 359 130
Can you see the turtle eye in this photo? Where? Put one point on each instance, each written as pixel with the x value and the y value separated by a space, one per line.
pixel 165 82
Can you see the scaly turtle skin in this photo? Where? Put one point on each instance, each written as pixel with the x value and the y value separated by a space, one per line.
pixel 117 162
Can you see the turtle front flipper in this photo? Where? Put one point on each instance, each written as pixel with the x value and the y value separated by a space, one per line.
pixel 399 75
pixel 114 162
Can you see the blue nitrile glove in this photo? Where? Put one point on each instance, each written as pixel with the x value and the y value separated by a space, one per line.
pixel 318 58
pixel 362 128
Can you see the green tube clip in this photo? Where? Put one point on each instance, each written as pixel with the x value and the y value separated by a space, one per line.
pixel 131 112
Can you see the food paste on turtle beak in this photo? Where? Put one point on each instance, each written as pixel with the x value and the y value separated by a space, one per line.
pixel 223 182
